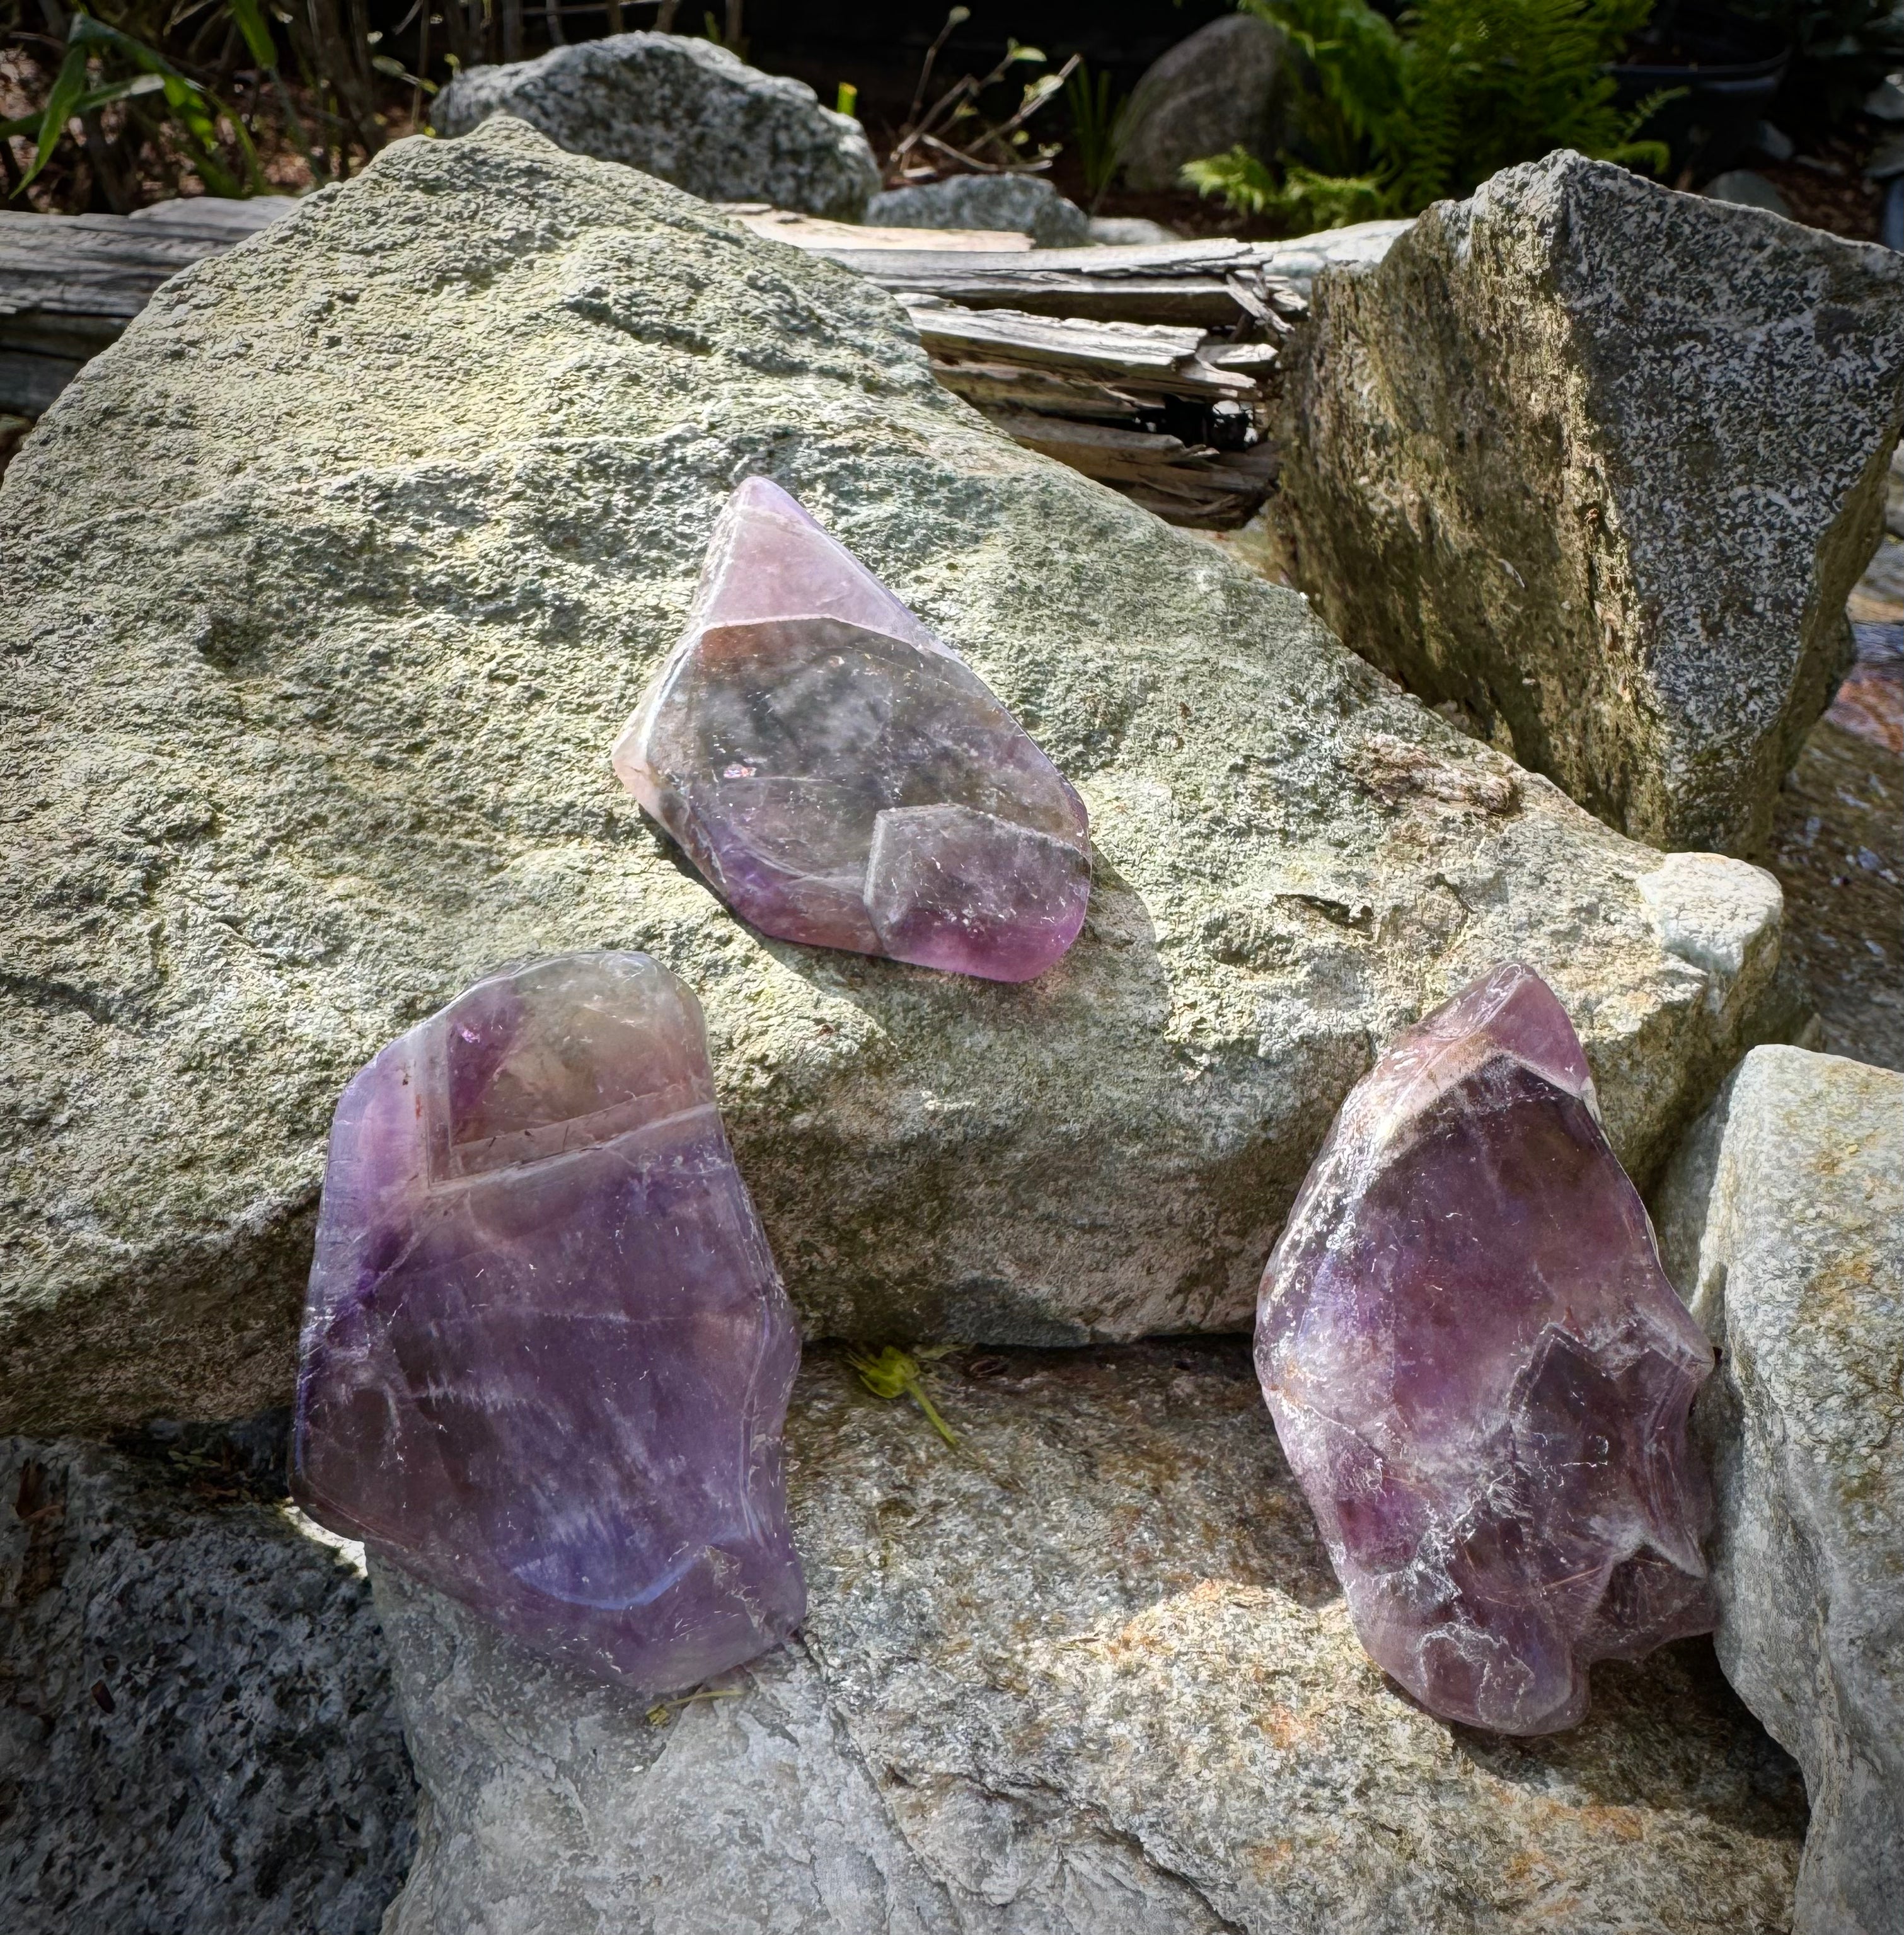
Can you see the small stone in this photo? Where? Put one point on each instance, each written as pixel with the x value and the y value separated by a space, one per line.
pixel 681 108
pixel 840 776
pixel 1748 189
pixel 1218 89
pixel 1482 1376
pixel 1026 203
pixel 1127 231
pixel 546 1353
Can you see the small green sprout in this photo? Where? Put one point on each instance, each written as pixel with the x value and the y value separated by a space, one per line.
pixel 892 1373
pixel 662 1711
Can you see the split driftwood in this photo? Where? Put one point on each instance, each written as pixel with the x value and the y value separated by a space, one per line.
pixel 1172 416
pixel 1148 368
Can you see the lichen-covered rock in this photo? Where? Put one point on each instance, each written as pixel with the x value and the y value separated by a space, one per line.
pixel 1087 1671
pixel 684 110
pixel 1026 203
pixel 1217 90
pixel 1594 465
pixel 1781 1222
pixel 197 1728
pixel 329 587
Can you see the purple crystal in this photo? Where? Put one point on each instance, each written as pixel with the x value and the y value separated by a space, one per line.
pixel 1481 1375
pixel 546 1354
pixel 841 777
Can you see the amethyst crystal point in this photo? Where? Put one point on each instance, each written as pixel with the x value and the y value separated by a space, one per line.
pixel 546 1355
pixel 1480 1374
pixel 840 776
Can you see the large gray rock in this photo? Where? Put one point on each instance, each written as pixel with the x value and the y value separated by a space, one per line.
pixel 1219 89
pixel 1027 203
pixel 197 1730
pixel 329 587
pixel 1781 1221
pixel 684 110
pixel 1595 464
pixel 1090 1671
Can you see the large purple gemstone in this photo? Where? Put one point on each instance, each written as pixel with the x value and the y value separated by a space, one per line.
pixel 840 776
pixel 1481 1375
pixel 546 1354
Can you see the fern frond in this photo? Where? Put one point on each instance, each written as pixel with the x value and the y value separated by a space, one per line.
pixel 1238 177
pixel 1318 200
pixel 1401 114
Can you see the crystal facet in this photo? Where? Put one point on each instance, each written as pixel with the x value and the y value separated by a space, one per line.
pixel 546 1353
pixel 1480 1374
pixel 842 777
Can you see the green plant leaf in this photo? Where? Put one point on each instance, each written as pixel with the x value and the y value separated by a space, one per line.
pixel 62 103
pixel 250 18
pixel 1389 115
pixel 28 125
pixel 891 1373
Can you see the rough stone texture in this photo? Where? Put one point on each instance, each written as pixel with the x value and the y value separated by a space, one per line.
pixel 331 582
pixel 1781 1221
pixel 1217 90
pixel 1838 835
pixel 684 110
pixel 1026 203
pixel 1088 1672
pixel 1594 465
pixel 197 1728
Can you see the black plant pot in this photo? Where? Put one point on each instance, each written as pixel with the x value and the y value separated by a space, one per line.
pixel 1727 71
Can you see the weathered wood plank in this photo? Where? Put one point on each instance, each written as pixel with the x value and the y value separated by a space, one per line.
pixel 989 282
pixel 814 233
pixel 1081 353
pixel 1159 355
pixel 1185 484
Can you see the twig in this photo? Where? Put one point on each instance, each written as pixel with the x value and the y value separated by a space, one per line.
pixel 957 17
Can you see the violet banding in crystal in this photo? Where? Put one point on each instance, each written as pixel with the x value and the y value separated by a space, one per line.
pixel 1480 1374
pixel 546 1354
pixel 840 776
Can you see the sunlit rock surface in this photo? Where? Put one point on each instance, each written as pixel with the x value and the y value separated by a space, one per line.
pixel 1591 466
pixel 1781 1221
pixel 326 590
pixel 839 777
pixel 1481 1375
pixel 683 109
pixel 1089 1674
pixel 546 1353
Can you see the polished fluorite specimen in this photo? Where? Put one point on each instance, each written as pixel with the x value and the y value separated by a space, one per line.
pixel 841 777
pixel 1480 1374
pixel 546 1354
